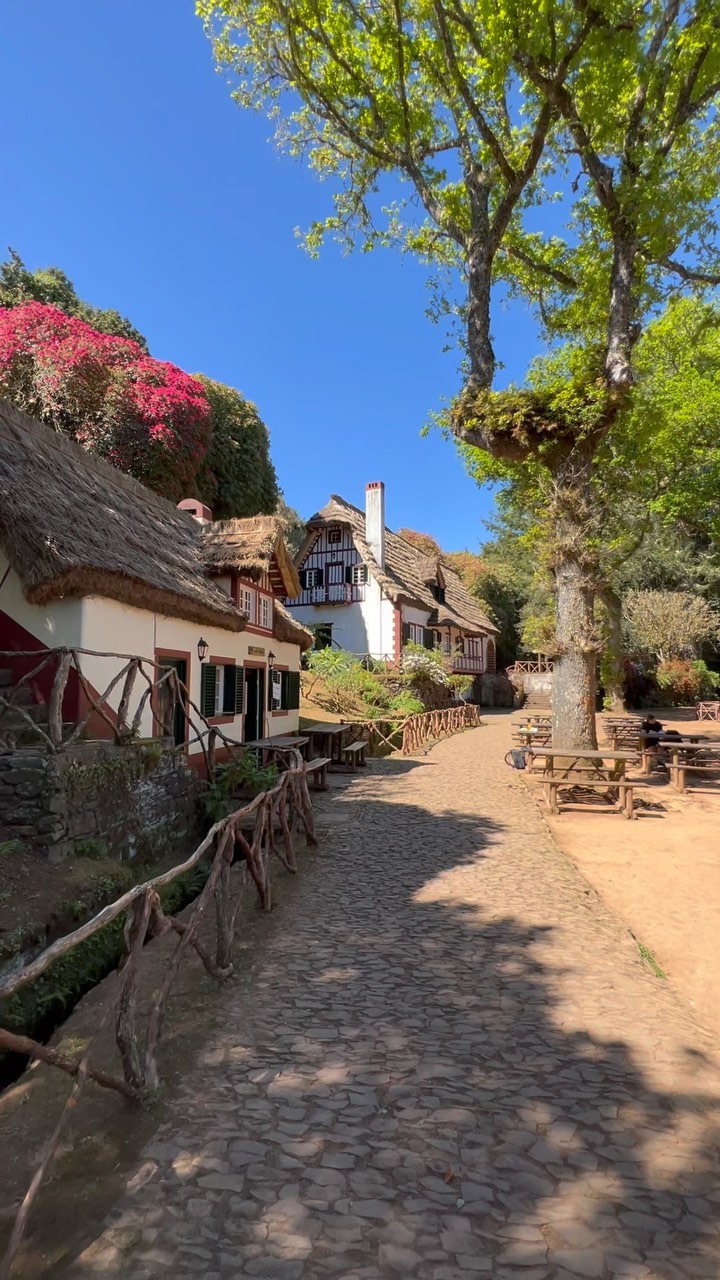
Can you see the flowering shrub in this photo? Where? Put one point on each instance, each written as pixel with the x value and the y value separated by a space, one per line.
pixel 145 416
pixel 424 666
pixel 684 682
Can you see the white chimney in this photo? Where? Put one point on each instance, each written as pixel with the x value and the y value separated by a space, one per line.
pixel 375 520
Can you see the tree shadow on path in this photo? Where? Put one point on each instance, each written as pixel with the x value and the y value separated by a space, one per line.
pixel 445 1061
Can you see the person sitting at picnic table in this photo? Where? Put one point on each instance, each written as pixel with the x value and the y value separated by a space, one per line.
pixel 651 725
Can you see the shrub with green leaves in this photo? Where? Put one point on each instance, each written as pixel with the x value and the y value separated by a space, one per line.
pixel 683 681
pixel 243 776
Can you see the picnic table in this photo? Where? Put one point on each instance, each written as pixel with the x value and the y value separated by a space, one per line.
pixel 593 769
pixel 698 757
pixel 328 738
pixel 528 735
pixel 283 742
pixel 652 743
pixel 622 730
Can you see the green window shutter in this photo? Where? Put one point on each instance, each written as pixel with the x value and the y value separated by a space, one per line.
pixel 293 690
pixel 348 573
pixel 428 639
pixel 284 690
pixel 239 690
pixel 208 685
pixel 405 632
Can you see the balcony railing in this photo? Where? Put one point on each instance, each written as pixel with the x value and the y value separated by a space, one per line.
pixel 331 593
pixel 468 663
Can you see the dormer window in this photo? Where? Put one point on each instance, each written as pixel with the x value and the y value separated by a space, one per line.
pixel 438 592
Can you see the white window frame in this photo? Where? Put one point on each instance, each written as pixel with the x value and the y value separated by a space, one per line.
pixel 312 579
pixel 248 603
pixel 276 690
pixel 417 632
pixel 265 617
pixel 359 575
pixel 334 536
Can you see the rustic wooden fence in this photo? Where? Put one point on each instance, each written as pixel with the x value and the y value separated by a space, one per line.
pixel 145 683
pixel 250 837
pixel 413 732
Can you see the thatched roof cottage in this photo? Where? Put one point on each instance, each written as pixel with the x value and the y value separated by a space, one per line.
pixel 91 559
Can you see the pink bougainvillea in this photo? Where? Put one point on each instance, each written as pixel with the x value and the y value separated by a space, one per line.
pixel 146 416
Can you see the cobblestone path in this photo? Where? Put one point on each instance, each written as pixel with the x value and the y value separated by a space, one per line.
pixel 448 1063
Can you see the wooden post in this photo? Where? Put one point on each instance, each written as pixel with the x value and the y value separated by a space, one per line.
pixel 211 754
pixel 125 1029
pixel 55 706
pixel 123 730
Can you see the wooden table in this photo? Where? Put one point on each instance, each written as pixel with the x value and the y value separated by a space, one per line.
pixel 651 745
pixel 622 729
pixel 283 742
pixel 540 734
pixel 697 758
pixel 587 767
pixel 331 736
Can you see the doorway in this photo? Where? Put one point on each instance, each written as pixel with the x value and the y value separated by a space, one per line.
pixel 254 703
pixel 169 707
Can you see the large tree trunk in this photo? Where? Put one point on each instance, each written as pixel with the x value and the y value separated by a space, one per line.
pixel 612 670
pixel 574 673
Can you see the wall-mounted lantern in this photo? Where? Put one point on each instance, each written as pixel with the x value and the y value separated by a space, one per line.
pixel 203 649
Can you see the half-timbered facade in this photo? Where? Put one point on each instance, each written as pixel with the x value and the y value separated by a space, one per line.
pixel 365 589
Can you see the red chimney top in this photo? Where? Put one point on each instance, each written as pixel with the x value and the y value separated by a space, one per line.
pixel 196 508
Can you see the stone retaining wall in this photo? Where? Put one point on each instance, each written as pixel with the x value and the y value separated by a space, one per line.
pixel 98 800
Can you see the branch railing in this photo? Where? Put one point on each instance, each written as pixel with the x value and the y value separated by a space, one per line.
pixel 414 732
pixel 162 691
pixel 250 837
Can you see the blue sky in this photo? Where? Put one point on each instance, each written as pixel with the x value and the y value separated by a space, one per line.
pixel 126 163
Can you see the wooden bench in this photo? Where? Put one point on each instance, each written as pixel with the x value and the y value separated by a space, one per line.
pixel 705 762
pixel 708 710
pixel 624 803
pixel 317 770
pixel 354 754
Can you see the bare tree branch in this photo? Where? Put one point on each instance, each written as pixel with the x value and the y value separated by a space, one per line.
pixel 555 273
pixel 688 273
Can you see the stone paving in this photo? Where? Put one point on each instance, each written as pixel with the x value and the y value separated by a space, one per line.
pixel 448 1062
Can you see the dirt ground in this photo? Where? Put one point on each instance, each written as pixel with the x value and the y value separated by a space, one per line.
pixel 661 874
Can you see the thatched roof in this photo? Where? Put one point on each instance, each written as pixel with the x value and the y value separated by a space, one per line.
pixel 407 571
pixel 250 547
pixel 287 628
pixel 73 525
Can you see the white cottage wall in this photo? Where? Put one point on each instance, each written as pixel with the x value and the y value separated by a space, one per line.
pixel 53 625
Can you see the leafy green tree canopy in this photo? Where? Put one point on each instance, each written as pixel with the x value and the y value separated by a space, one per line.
pixel 478 112
pixel 19 285
pixel 669 624
pixel 238 477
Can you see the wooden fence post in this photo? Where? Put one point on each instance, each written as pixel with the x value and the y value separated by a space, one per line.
pixel 123 730
pixel 57 693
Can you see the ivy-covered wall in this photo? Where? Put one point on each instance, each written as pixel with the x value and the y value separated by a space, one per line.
pixel 100 800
